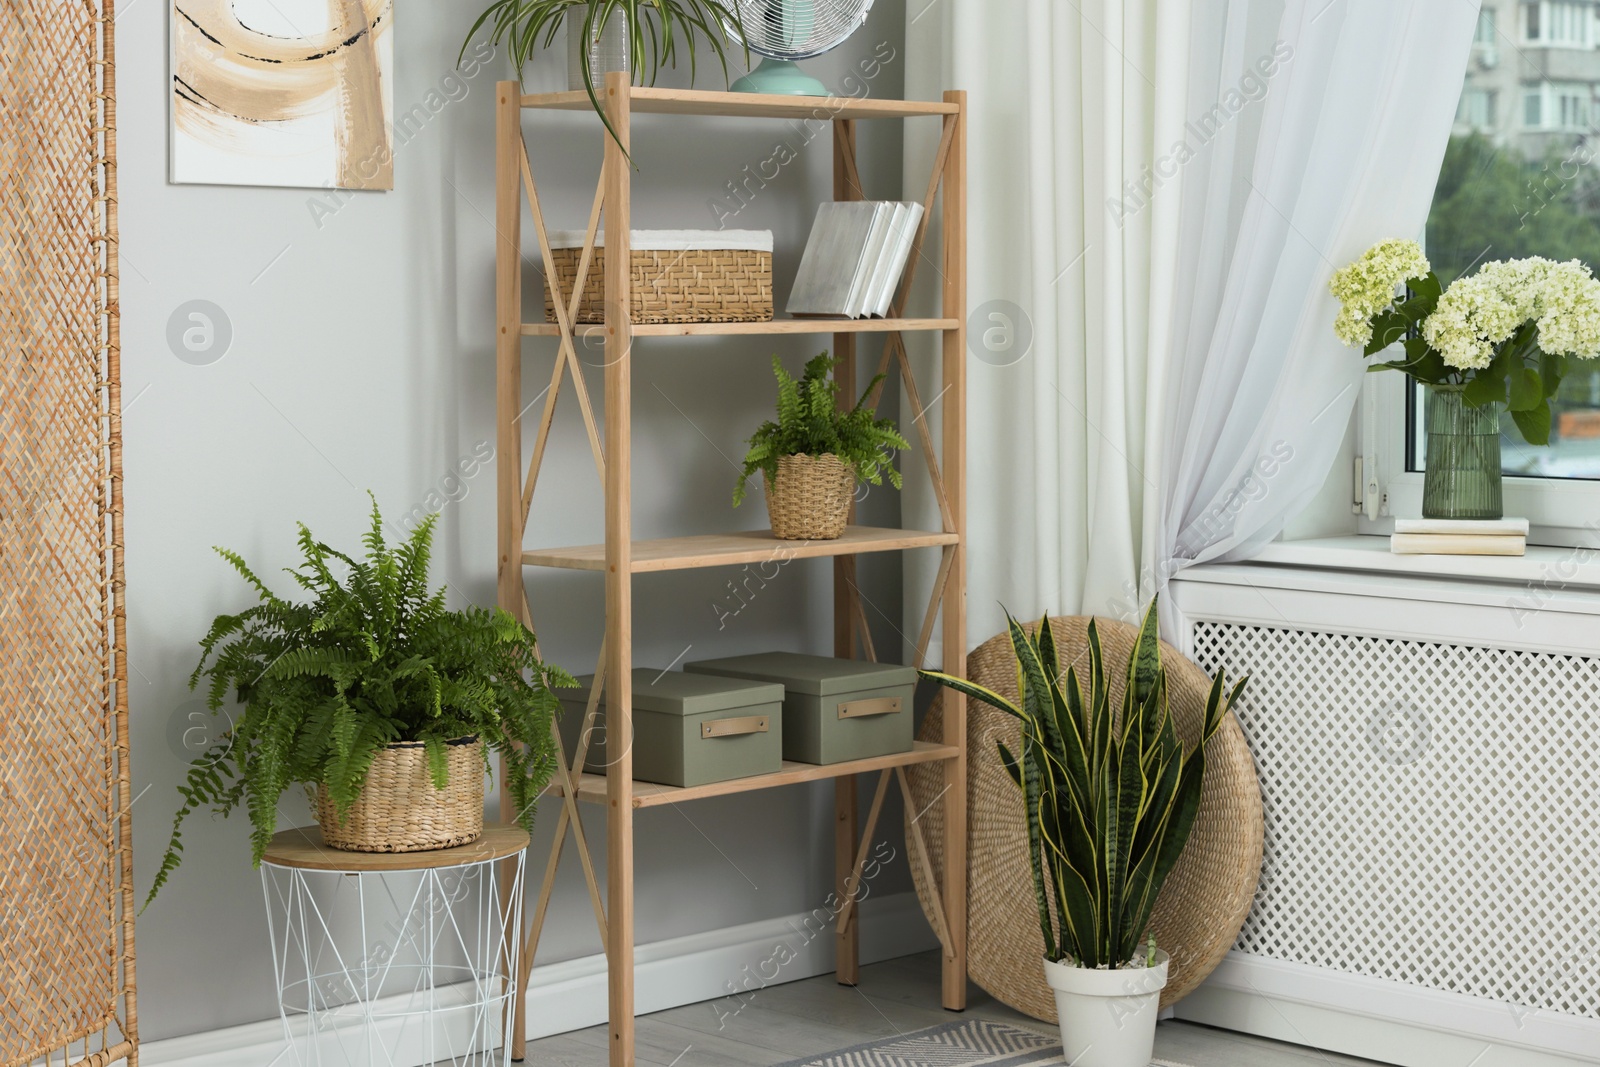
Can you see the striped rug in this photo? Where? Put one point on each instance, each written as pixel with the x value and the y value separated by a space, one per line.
pixel 962 1043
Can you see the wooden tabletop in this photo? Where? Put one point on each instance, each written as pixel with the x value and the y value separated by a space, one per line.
pixel 305 849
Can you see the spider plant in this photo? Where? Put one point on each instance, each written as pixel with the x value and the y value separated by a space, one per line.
pixel 1110 796
pixel 656 28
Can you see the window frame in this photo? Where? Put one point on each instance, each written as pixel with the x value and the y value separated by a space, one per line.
pixel 1563 512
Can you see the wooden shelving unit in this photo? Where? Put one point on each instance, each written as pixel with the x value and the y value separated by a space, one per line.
pixel 621 557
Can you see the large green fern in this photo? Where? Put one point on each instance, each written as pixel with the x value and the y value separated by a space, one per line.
pixel 371 659
pixel 811 423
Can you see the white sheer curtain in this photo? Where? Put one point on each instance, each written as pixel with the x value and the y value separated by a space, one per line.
pixel 1066 108
pixel 1161 189
pixel 1256 392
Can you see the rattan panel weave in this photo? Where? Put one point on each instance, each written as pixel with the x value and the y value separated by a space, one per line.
pixel 1431 811
pixel 65 918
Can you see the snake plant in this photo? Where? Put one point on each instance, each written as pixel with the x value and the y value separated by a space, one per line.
pixel 1110 796
pixel 655 30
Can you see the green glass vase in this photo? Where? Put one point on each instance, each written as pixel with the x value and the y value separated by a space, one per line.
pixel 1463 475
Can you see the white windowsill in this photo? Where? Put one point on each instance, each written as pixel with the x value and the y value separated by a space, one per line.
pixel 1572 568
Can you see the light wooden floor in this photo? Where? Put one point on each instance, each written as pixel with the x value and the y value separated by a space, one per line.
pixel 818 1015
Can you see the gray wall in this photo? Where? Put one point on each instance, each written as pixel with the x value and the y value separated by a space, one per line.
pixel 362 358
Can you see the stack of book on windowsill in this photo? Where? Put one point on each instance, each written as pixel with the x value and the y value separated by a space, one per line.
pixel 855 258
pixel 1459 537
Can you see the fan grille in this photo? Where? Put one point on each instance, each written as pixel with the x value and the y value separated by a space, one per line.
pixel 798 29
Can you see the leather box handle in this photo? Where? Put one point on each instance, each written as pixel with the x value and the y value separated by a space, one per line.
pixel 863 709
pixel 752 724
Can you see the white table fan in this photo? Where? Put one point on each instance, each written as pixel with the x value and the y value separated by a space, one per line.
pixel 784 31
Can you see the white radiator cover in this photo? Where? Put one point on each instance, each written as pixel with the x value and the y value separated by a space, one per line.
pixel 1429 758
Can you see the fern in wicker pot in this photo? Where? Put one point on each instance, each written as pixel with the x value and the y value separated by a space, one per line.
pixel 814 455
pixel 1109 798
pixel 375 696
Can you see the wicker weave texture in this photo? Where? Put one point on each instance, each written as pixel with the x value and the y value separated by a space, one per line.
pixel 1205 899
pixel 704 285
pixel 811 498
pixel 66 922
pixel 399 810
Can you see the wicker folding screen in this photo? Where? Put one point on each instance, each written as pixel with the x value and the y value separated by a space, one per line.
pixel 66 897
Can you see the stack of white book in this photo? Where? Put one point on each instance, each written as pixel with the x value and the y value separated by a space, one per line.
pixel 1459 537
pixel 855 258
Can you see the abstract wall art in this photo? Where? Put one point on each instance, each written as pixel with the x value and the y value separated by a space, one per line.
pixel 283 92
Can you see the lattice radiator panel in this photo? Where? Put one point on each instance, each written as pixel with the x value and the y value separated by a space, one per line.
pixel 1432 811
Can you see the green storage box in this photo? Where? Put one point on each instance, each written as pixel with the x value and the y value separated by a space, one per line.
pixel 688 729
pixel 834 710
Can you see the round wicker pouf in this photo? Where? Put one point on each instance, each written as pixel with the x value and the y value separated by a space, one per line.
pixel 1205 899
pixel 811 500
pixel 399 810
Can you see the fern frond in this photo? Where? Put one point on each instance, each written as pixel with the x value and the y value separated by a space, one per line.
pixel 811 423
pixel 371 658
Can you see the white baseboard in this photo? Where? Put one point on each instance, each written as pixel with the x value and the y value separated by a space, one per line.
pixel 1390 1022
pixel 262 1044
pixel 712 966
pixel 572 995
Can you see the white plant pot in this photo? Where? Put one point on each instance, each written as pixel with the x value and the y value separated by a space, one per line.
pixel 1108 1018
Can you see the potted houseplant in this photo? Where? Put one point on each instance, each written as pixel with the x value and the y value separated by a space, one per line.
pixel 374 694
pixel 812 457
pixel 1499 338
pixel 1109 797
pixel 608 35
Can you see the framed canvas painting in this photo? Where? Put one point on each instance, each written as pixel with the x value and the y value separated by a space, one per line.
pixel 283 92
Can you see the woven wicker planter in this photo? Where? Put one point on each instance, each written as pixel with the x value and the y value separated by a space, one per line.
pixel 399 810
pixel 811 500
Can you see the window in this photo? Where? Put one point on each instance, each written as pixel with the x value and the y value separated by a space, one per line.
pixel 1565 23
pixel 1548 106
pixel 1574 108
pixel 1485 31
pixel 1528 188
pixel 1476 111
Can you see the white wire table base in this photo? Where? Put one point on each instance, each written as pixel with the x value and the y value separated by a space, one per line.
pixel 394 968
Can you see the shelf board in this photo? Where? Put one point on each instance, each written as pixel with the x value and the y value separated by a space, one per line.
pixel 722 550
pixel 776 326
pixel 656 101
pixel 592 787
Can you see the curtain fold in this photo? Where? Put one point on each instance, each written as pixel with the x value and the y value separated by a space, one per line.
pixel 1066 108
pixel 1159 191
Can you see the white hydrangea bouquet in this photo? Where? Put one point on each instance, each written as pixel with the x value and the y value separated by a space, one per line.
pixel 1503 335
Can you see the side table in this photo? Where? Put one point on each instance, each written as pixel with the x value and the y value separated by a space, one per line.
pixel 395 957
